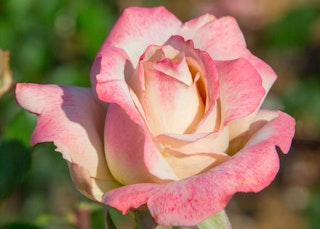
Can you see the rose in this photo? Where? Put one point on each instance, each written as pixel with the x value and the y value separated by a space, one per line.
pixel 173 116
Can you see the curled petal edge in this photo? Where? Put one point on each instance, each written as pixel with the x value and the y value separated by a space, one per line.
pixel 185 202
pixel 73 129
pixel 109 81
pixel 89 186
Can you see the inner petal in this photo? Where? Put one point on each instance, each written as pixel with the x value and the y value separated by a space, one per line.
pixel 170 105
pixel 190 165
pixel 198 77
pixel 170 61
pixel 205 75
pixel 189 144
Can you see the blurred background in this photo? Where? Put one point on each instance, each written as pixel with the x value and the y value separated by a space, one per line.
pixel 56 41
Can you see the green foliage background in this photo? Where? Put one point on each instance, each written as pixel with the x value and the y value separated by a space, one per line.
pixel 55 42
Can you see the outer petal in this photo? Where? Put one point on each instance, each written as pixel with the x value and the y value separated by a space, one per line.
pixel 109 76
pixel 130 151
pixel 71 118
pixel 221 38
pixel 109 79
pixel 238 82
pixel 190 28
pixel 90 186
pixel 186 202
pixel 268 76
pixel 138 28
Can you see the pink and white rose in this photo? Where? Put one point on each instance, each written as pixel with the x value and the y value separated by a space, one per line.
pixel 172 119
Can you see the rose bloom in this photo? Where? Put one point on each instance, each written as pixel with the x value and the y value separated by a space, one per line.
pixel 172 119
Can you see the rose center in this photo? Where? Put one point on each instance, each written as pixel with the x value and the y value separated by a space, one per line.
pixel 170 90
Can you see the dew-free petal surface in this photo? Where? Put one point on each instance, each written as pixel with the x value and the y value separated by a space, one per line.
pixel 73 119
pixel 190 201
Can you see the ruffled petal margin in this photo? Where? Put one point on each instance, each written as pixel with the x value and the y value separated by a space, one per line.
pixel 155 26
pixel 71 117
pixel 186 202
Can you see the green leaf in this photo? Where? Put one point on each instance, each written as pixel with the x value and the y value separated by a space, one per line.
pixel 217 221
pixel 15 161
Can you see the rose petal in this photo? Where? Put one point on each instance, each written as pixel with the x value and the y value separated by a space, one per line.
pixel 239 81
pixel 189 144
pixel 166 67
pixel 221 38
pixel 89 186
pixel 186 165
pixel 211 121
pixel 70 117
pixel 267 74
pixel 138 160
pixel 189 155
pixel 109 79
pixel 129 34
pixel 190 28
pixel 170 105
pixel 169 61
pixel 202 64
pixel 190 201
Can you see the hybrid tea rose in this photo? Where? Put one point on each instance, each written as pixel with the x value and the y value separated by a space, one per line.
pixel 172 119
